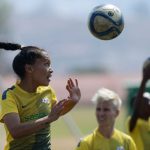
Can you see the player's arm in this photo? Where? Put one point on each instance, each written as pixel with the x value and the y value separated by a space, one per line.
pixel 139 97
pixel 18 129
pixel 74 96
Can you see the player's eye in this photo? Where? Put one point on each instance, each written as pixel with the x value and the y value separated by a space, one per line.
pixel 98 109
pixel 106 109
pixel 47 63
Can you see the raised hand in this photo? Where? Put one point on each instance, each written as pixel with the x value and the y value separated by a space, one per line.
pixel 73 98
pixel 73 89
pixel 146 69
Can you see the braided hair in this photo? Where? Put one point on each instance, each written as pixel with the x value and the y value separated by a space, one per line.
pixel 27 55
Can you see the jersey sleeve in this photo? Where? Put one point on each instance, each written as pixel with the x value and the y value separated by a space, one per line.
pixel 135 134
pixel 82 145
pixel 8 104
pixel 132 145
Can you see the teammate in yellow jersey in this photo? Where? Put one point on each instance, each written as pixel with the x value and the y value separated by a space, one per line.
pixel 106 137
pixel 139 122
pixel 30 106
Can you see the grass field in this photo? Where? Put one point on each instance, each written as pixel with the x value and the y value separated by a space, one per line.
pixel 63 136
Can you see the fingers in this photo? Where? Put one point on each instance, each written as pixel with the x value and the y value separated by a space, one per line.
pixel 70 83
pixel 73 89
pixel 76 82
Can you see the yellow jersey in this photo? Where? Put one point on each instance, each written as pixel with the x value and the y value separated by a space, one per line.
pixel 96 141
pixel 29 106
pixel 141 134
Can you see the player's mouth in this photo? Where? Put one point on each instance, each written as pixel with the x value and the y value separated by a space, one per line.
pixel 48 77
pixel 101 119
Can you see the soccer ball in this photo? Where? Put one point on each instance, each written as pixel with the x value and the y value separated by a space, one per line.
pixel 106 22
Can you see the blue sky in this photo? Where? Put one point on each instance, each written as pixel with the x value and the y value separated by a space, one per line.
pixel 69 8
pixel 61 27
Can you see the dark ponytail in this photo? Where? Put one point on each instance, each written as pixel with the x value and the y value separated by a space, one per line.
pixel 27 55
pixel 10 46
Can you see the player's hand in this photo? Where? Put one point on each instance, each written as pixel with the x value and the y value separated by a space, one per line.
pixel 73 89
pixel 146 69
pixel 146 73
pixel 56 111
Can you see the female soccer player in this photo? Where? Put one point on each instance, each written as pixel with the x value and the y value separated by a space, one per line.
pixel 139 122
pixel 30 106
pixel 105 136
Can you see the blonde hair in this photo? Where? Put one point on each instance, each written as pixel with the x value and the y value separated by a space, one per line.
pixel 104 94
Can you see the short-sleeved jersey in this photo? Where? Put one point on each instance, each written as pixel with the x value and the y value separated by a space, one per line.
pixel 141 134
pixel 29 106
pixel 96 141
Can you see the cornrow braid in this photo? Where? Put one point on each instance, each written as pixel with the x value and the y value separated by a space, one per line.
pixel 9 46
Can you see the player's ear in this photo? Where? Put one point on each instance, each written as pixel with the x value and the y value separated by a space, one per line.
pixel 117 112
pixel 28 68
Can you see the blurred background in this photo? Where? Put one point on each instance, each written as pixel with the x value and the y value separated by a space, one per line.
pixel 61 28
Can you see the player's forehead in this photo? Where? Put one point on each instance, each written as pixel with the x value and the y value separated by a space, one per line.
pixel 107 104
pixel 43 60
pixel 45 56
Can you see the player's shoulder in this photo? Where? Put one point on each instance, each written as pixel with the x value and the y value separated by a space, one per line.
pixel 141 122
pixel 87 138
pixel 125 139
pixel 84 141
pixel 122 135
pixel 6 92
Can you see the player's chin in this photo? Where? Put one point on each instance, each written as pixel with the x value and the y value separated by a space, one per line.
pixel 46 83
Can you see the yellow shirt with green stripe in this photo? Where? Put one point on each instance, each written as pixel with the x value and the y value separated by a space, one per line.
pixel 96 141
pixel 29 106
pixel 141 134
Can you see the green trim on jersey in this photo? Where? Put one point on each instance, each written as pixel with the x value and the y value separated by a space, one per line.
pixel 29 106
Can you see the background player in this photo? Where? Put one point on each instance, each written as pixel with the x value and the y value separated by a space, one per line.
pixel 139 123
pixel 106 137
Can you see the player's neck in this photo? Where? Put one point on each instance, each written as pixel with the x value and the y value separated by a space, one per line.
pixel 106 131
pixel 28 86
